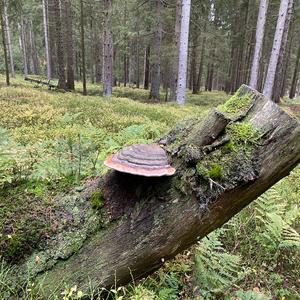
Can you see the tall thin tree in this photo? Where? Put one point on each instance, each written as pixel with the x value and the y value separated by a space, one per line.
pixel 107 49
pixel 4 43
pixel 68 13
pixel 8 39
pixel 183 51
pixel 59 45
pixel 175 53
pixel 259 38
pixel 270 79
pixel 82 48
pixel 295 76
pixel 156 60
pixel 46 38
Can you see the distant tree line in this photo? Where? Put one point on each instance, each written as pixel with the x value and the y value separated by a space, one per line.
pixel 158 44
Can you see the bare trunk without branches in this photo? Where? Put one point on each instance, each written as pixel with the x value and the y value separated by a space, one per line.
pixel 183 51
pixel 259 39
pixel 46 38
pixel 175 52
pixel 8 39
pixel 279 33
pixel 156 59
pixel 107 75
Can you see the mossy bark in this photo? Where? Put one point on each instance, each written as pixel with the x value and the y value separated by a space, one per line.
pixel 153 219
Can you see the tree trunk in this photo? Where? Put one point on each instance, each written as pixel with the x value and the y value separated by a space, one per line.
pixel 280 75
pixel 183 51
pixel 8 39
pixel 59 46
pixel 295 76
pixel 202 55
pixel 46 38
pixel 175 53
pixel 68 13
pixel 147 67
pixel 107 50
pixel 23 49
pixel 52 37
pixel 82 48
pixel 4 43
pixel 260 32
pixel 279 33
pixel 155 74
pixel 34 53
pixel 150 220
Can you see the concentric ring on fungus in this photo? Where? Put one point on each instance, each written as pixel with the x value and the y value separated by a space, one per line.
pixel 140 159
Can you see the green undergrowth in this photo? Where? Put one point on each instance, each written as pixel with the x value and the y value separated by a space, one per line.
pixel 52 143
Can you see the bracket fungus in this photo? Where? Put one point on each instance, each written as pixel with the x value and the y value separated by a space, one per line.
pixel 140 159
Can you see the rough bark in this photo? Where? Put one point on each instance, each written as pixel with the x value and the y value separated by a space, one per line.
pixel 59 46
pixel 52 36
pixel 107 50
pixel 4 42
pixel 46 37
pixel 145 221
pixel 295 76
pixel 22 44
pixel 260 32
pixel 282 64
pixel 156 60
pixel 68 13
pixel 175 53
pixel 147 68
pixel 84 91
pixel 202 55
pixel 279 34
pixel 33 50
pixel 8 38
pixel 183 51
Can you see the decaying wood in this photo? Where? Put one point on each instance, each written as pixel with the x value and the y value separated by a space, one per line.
pixel 153 219
pixel 41 82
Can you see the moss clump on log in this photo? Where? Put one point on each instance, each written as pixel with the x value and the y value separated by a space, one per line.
pixel 240 102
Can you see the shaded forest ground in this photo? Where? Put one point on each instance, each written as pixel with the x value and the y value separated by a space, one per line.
pixel 52 142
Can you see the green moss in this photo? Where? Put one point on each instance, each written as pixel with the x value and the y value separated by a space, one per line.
pixel 213 171
pixel 242 135
pixel 97 200
pixel 202 170
pixel 236 103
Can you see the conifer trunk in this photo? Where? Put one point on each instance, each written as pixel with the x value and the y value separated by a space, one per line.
pixel 8 38
pixel 279 34
pixel 107 50
pixel 183 51
pixel 46 38
pixel 155 67
pixel 4 43
pixel 295 76
pixel 259 38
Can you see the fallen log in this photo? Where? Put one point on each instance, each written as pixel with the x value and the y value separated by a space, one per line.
pixel 41 82
pixel 223 163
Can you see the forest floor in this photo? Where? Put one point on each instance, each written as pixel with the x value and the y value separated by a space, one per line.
pixel 53 142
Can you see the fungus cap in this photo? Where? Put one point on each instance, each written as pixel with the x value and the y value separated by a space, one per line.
pixel 140 159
